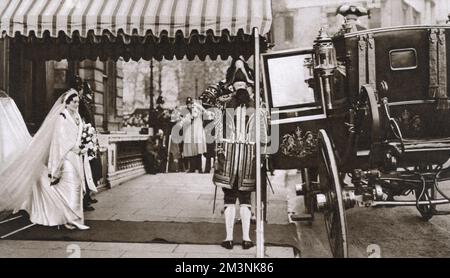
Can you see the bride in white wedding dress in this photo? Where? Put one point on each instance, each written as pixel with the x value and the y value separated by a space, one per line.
pixel 46 178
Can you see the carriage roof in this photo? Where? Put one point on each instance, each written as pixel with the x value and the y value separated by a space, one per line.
pixel 395 28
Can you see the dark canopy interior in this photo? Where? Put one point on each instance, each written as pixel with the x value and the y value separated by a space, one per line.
pixel 135 47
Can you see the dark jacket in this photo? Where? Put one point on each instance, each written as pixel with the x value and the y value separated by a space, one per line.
pixel 86 110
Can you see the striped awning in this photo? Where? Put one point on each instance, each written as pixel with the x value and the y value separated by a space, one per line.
pixel 133 17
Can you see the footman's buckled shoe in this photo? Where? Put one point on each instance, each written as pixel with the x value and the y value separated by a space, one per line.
pixel 88 208
pixel 247 244
pixel 228 244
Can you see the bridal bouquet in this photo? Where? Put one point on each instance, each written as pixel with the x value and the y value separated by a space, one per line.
pixel 89 141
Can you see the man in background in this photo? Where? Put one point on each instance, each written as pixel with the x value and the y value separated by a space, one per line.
pixel 86 110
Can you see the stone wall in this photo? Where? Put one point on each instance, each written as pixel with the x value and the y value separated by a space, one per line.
pixel 108 116
pixel 309 16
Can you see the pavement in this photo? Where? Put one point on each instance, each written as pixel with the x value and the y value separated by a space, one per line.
pixel 387 232
pixel 178 197
pixel 181 197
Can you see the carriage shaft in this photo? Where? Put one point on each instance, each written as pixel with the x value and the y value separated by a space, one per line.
pixel 409 203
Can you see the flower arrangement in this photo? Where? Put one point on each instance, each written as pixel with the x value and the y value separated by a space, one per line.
pixel 89 141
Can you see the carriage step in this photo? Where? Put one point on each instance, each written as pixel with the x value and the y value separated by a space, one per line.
pixel 420 145
pixel 302 217
pixel 441 212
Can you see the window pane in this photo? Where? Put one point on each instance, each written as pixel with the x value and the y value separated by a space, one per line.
pixel 403 59
pixel 286 87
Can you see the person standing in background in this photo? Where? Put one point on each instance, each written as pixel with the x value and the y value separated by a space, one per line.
pixel 86 111
pixel 194 139
pixel 208 98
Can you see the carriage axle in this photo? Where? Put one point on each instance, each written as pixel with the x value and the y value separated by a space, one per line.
pixel 374 188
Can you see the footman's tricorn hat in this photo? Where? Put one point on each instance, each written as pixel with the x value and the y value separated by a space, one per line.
pixel 348 10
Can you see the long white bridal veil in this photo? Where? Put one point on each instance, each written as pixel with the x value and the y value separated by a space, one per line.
pixel 14 135
pixel 28 167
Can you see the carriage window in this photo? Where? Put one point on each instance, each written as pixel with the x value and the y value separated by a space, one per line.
pixel 290 87
pixel 403 59
pixel 288 78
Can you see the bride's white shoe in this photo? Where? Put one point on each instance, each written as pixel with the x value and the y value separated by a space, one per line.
pixel 69 227
pixel 80 226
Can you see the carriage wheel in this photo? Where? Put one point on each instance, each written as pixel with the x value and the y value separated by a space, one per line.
pixel 330 186
pixel 426 211
pixel 368 111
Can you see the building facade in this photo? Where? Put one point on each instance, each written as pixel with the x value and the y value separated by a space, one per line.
pixel 296 22
pixel 36 84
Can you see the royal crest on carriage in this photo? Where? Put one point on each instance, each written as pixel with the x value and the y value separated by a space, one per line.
pixel 299 145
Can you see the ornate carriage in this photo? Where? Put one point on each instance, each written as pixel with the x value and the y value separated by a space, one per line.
pixel 369 122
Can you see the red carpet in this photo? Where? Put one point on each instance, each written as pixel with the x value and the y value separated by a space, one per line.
pixel 150 232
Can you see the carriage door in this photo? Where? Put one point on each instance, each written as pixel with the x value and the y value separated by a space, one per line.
pixel 297 109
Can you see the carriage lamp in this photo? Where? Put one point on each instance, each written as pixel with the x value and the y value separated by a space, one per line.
pixel 325 63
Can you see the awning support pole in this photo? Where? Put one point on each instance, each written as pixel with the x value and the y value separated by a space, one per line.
pixel 259 208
